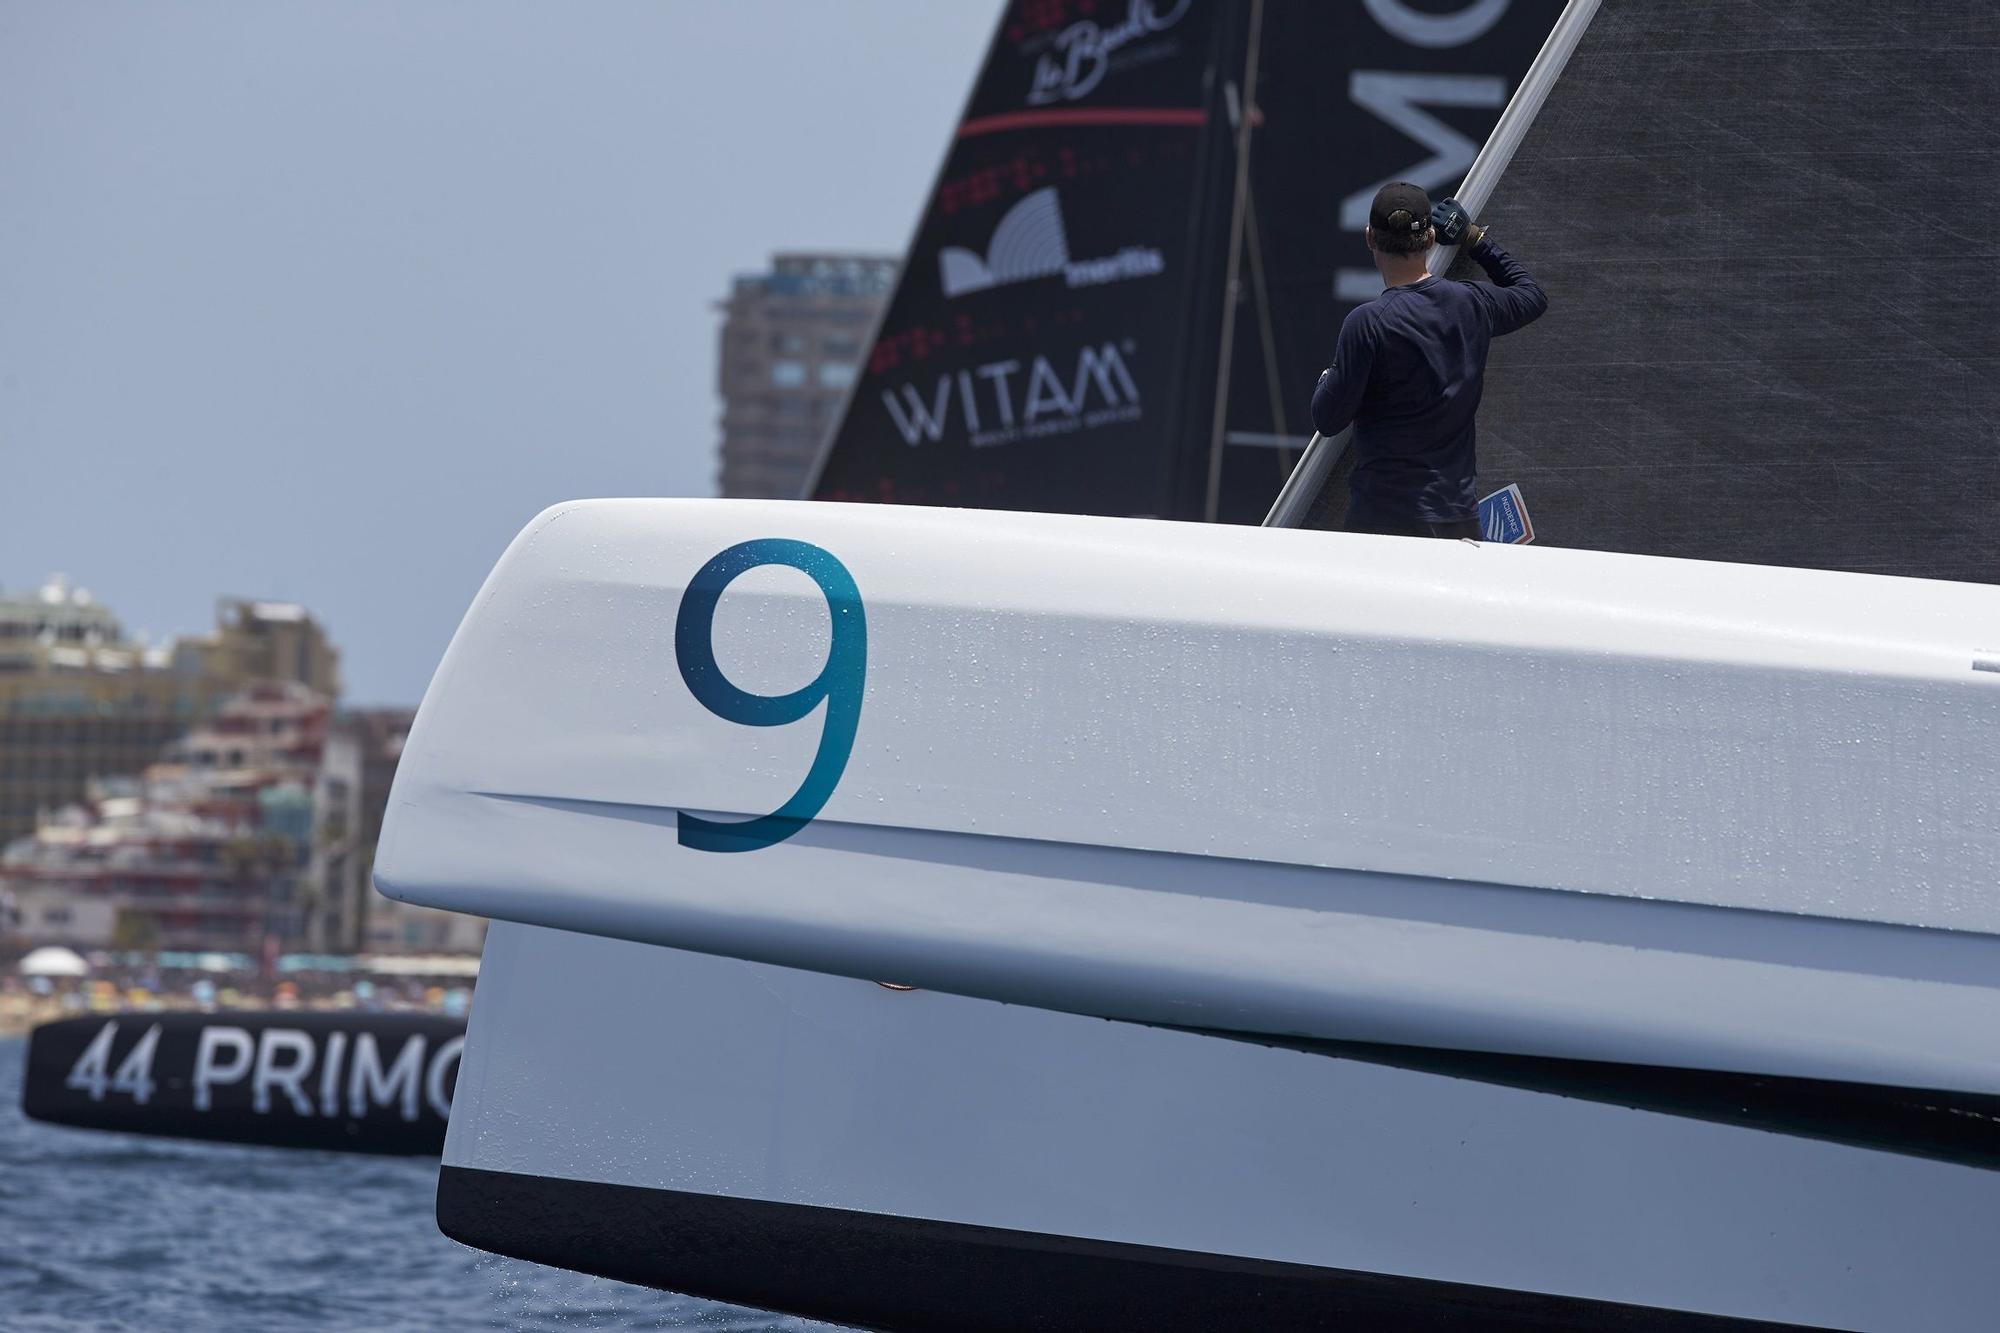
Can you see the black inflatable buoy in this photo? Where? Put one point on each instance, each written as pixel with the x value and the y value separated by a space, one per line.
pixel 353 1082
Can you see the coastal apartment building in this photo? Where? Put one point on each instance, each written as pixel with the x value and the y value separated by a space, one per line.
pixel 243 834
pixel 80 700
pixel 258 825
pixel 792 341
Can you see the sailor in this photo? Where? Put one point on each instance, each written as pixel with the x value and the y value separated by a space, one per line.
pixel 1409 367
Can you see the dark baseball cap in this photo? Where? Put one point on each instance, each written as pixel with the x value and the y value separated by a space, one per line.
pixel 1400 207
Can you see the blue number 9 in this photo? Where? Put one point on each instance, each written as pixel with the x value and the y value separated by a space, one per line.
pixel 839 683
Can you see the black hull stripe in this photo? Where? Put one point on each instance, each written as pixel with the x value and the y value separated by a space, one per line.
pixel 1946 1126
pixel 906 1274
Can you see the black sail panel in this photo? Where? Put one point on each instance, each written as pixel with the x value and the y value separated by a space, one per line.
pixel 1764 227
pixel 1350 96
pixel 1038 353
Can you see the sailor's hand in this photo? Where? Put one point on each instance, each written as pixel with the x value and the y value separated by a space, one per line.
pixel 1453 225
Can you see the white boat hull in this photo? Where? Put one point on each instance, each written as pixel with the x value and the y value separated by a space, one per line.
pixel 1411 930
pixel 1556 805
pixel 917 1160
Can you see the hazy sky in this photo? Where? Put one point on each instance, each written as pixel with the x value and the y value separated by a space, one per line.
pixel 322 301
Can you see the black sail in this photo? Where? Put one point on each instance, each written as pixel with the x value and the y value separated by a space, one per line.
pixel 1039 352
pixel 1764 227
pixel 1055 340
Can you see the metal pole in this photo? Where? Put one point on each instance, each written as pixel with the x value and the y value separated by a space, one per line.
pixel 1308 479
pixel 1290 508
pixel 1498 152
pixel 1245 100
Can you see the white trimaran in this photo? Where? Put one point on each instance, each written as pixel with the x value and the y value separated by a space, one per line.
pixel 1535 937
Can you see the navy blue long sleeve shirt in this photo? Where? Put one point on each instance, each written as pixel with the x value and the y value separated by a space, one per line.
pixel 1407 373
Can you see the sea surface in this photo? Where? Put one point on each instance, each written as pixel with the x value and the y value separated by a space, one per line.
pixel 114 1231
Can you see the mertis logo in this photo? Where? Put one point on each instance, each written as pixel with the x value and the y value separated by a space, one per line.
pixel 1029 242
pixel 1003 402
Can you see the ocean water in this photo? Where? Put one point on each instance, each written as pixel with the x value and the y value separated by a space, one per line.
pixel 114 1231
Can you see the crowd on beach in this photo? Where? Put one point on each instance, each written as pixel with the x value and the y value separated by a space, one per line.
pixel 128 983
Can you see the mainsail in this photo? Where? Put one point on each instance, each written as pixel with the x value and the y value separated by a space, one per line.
pixel 1055 339
pixel 1761 226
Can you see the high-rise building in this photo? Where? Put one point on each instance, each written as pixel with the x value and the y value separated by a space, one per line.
pixel 81 700
pixel 792 344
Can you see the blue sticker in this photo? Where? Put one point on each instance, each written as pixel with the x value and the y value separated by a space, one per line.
pixel 839 684
pixel 1503 517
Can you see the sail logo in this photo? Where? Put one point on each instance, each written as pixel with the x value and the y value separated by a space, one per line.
pixel 1402 99
pixel 1084 50
pixel 1030 242
pixel 1004 402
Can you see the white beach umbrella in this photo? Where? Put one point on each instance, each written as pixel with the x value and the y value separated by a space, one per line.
pixel 54 961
